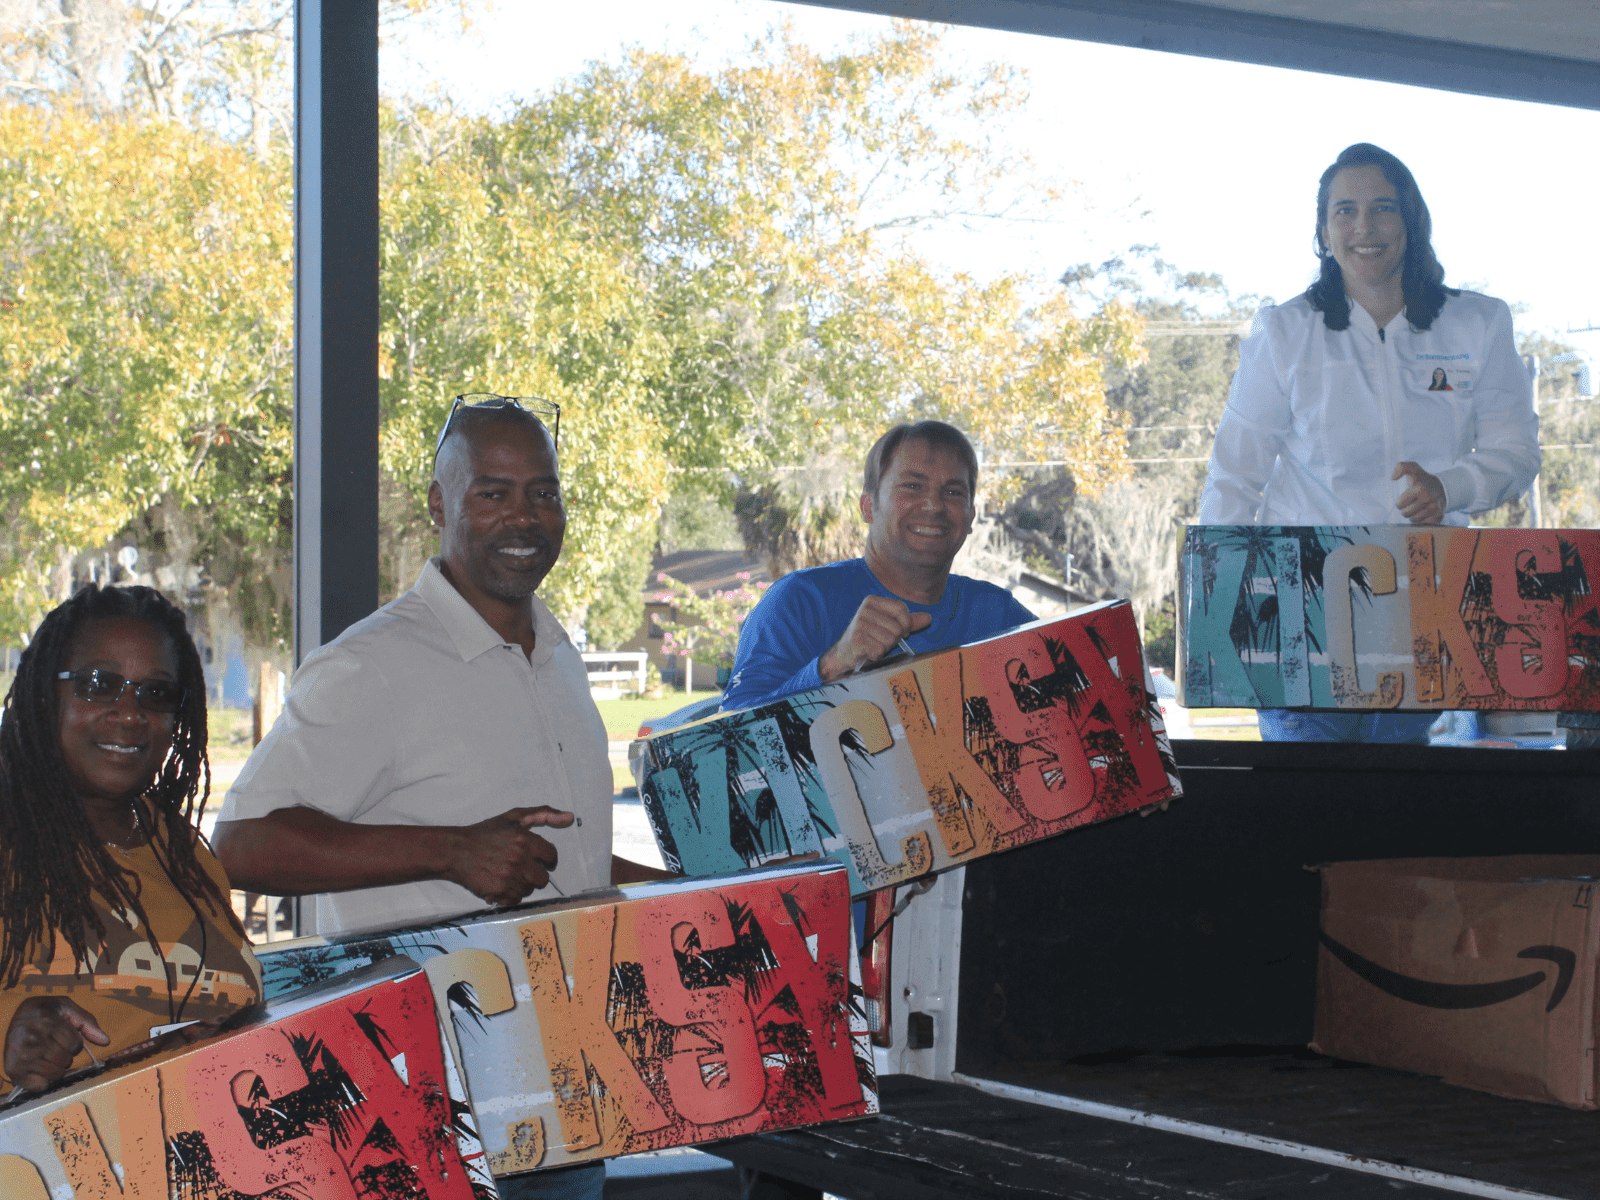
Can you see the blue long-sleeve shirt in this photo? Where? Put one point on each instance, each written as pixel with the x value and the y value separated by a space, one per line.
pixel 806 612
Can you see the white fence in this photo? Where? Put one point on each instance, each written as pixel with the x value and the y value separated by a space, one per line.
pixel 603 682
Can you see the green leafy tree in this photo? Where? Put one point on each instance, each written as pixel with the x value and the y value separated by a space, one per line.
pixel 144 343
pixel 1569 431
pixel 1122 541
pixel 743 221
pixel 486 289
pixel 703 267
pixel 763 202
pixel 145 299
pixel 1025 377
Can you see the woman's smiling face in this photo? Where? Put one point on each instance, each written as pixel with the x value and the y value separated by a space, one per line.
pixel 113 751
pixel 1364 227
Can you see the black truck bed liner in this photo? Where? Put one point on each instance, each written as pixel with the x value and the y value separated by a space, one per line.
pixel 1366 1112
pixel 942 1141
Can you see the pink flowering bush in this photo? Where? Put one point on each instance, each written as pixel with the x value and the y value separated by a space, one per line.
pixel 707 626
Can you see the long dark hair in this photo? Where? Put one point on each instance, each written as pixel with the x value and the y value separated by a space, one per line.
pixel 51 860
pixel 1421 277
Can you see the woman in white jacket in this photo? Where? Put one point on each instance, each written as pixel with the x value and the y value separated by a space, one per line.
pixel 1335 416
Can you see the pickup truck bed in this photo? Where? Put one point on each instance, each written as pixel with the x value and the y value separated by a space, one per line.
pixel 1134 999
pixel 1398 1124
pixel 939 1140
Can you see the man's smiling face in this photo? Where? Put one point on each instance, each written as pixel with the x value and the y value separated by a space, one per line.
pixel 924 507
pixel 496 498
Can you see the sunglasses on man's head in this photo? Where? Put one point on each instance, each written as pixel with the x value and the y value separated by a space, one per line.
pixel 106 687
pixel 547 410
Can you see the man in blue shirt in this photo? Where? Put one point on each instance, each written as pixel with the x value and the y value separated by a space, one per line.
pixel 817 625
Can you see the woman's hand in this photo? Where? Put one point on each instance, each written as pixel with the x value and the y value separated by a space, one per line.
pixel 45 1036
pixel 173 1039
pixel 1423 502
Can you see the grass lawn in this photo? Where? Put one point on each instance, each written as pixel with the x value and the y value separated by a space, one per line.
pixel 623 717
pixel 1225 724
pixel 229 731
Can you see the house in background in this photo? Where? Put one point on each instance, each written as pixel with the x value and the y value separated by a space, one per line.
pixel 705 571
pixel 989 555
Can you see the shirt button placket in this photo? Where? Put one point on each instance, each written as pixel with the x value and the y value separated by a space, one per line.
pixel 550 784
pixel 1392 408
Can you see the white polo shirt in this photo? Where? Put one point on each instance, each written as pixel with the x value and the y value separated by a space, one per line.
pixel 1318 418
pixel 422 715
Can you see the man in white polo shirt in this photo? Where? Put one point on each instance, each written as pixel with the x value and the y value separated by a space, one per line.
pixel 420 750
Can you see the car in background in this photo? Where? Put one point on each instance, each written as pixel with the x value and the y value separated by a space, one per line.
pixel 1174 715
pixel 689 713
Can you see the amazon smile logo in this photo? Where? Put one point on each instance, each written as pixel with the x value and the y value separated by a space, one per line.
pixel 1460 995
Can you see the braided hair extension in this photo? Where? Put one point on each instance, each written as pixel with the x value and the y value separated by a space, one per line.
pixel 51 859
pixel 1421 276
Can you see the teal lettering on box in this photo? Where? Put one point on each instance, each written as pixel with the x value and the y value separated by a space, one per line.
pixel 800 832
pixel 1294 666
pixel 713 853
pixel 1216 678
pixel 1405 617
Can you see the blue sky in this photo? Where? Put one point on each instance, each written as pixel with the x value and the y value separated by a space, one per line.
pixel 1214 162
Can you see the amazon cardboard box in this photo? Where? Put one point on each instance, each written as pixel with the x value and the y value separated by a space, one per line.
pixel 1479 970
pixel 1389 617
pixel 620 1020
pixel 348 1093
pixel 924 764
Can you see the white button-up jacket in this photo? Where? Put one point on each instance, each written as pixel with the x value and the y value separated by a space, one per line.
pixel 1317 419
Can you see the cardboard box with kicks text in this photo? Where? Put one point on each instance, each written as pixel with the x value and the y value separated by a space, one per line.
pixel 621 1020
pixel 920 766
pixel 354 1094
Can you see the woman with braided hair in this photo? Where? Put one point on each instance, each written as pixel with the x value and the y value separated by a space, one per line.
pixel 115 921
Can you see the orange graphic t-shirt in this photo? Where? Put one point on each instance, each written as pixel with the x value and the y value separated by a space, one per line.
pixel 204 969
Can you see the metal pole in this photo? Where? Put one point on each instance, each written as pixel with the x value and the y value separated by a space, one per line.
pixel 1535 508
pixel 336 318
pixel 335 324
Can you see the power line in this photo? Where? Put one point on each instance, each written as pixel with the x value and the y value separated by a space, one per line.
pixel 1067 462
pixel 1197 329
